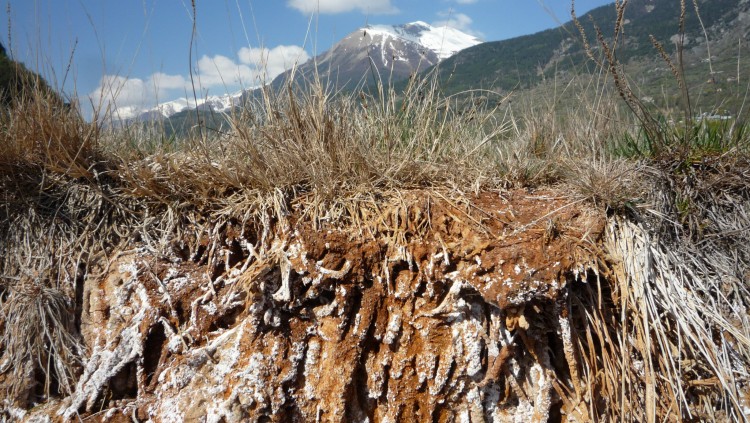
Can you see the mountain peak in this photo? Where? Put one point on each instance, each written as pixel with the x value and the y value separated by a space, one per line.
pixel 216 103
pixel 445 41
pixel 420 23
pixel 395 51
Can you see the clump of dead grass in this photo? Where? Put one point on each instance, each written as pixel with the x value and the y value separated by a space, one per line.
pixel 319 141
pixel 41 350
pixel 39 130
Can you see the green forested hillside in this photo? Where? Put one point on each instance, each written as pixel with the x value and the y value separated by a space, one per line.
pixel 15 79
pixel 557 54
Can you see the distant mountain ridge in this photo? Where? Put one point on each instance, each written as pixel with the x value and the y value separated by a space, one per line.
pixel 522 63
pixel 443 41
pixel 16 80
pixel 216 103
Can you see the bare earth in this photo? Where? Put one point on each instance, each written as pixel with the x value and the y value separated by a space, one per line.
pixel 432 310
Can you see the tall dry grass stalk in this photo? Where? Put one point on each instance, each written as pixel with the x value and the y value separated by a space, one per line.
pixel 608 61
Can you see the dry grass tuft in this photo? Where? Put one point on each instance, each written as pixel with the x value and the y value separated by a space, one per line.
pixel 319 141
pixel 53 216
pixel 670 338
pixel 613 183
pixel 40 345
pixel 37 130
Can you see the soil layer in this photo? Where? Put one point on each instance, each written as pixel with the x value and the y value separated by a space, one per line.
pixel 428 309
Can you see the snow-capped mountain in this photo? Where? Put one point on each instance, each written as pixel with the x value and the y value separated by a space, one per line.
pixel 443 41
pixel 393 52
pixel 219 104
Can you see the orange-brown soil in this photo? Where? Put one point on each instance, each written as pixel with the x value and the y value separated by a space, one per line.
pixel 424 308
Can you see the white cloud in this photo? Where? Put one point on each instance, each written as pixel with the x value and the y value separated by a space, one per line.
pixel 222 72
pixel 127 90
pixel 466 1
pixel 458 21
pixel 135 93
pixel 274 61
pixel 213 74
pixel 167 82
pixel 341 6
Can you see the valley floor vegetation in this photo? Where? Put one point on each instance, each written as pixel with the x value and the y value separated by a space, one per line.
pixel 663 335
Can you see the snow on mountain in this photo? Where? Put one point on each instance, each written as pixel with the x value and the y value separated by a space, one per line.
pixel 444 41
pixel 386 52
pixel 220 104
pixel 393 51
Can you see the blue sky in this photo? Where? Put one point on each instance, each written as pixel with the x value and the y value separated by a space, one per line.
pixel 139 50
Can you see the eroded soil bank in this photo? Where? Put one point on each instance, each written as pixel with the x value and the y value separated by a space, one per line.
pixel 425 309
pixel 435 311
